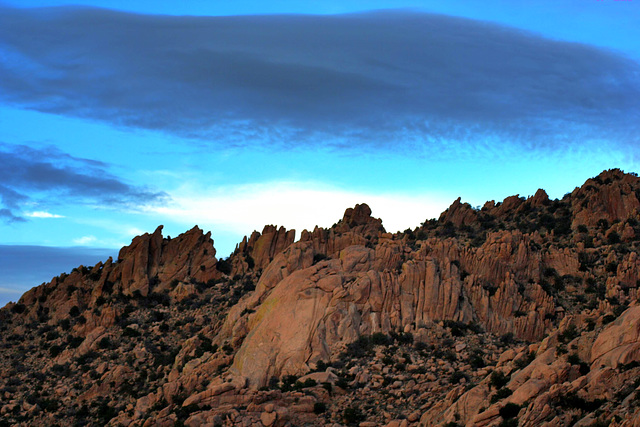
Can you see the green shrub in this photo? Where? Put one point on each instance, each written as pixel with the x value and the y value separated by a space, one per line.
pixel 523 362
pixel 224 266
pixel 501 394
pixel 457 376
pixel 130 332
pixel 568 334
pixel 352 416
pixel 510 410
pixel 573 401
pixel 319 408
pixel 74 311
pixel 18 308
pixel 55 350
pixel 613 238
pixel 104 343
pixel 498 380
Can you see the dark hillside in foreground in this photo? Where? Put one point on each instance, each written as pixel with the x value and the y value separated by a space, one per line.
pixel 523 312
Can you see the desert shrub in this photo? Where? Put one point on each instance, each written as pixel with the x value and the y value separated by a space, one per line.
pixel 52 335
pixel 523 362
pixel 476 361
pixel 510 410
pixel 503 393
pixel 573 401
pixel 613 238
pixel 319 408
pixel 568 334
pixel 498 380
pixel 507 338
pixel 74 342
pixel 319 257
pixel 457 376
pixel 18 308
pixel 352 416
pixel 55 350
pixel 104 343
pixel 402 337
pixel 224 266
pixel 130 332
pixel 74 311
pixel 379 338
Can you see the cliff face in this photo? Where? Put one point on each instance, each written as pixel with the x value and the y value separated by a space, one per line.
pixel 525 301
pixel 149 264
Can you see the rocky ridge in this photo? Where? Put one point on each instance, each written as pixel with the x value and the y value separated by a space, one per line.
pixel 523 312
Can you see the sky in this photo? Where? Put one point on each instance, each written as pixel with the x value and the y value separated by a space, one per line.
pixel 118 116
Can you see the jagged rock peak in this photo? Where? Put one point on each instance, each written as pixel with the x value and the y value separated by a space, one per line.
pixel 611 196
pixel 262 247
pixel 359 217
pixel 459 214
pixel 541 198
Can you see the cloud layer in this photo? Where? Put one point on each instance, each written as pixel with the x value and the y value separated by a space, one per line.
pixel 239 209
pixel 380 79
pixel 50 177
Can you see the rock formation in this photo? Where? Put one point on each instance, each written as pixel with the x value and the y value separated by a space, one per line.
pixel 522 312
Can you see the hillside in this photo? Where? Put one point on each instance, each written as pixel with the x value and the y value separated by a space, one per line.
pixel 523 312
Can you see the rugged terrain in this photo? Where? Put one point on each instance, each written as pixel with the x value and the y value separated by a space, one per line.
pixel 523 312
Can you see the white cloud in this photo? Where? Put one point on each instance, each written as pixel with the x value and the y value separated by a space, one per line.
pixel 19 290
pixel 84 240
pixel 298 205
pixel 42 214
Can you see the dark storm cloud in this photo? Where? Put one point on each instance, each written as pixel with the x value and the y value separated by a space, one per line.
pixel 29 174
pixel 378 78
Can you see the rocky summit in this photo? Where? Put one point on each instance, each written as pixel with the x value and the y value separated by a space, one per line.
pixel 523 312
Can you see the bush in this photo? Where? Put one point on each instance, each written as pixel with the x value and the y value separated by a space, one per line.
pixel 568 334
pixel 498 380
pixel 457 376
pixel 507 338
pixel 18 308
pixel 319 408
pixel 352 416
pixel 74 342
pixel 510 410
pixel 501 394
pixel 573 401
pixel 55 350
pixel 75 311
pixel 130 332
pixel 574 359
pixel 379 338
pixel 224 266
pixel 402 337
pixel 65 324
pixel 319 257
pixel 613 238
pixel 104 343
pixel 523 362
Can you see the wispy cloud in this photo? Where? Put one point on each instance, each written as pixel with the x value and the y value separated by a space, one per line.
pixel 84 240
pixel 299 205
pixel 42 214
pixel 48 176
pixel 381 80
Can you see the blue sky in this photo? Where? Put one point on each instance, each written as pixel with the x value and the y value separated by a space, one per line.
pixel 119 116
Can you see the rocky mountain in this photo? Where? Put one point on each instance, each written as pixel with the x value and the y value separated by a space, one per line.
pixel 522 312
